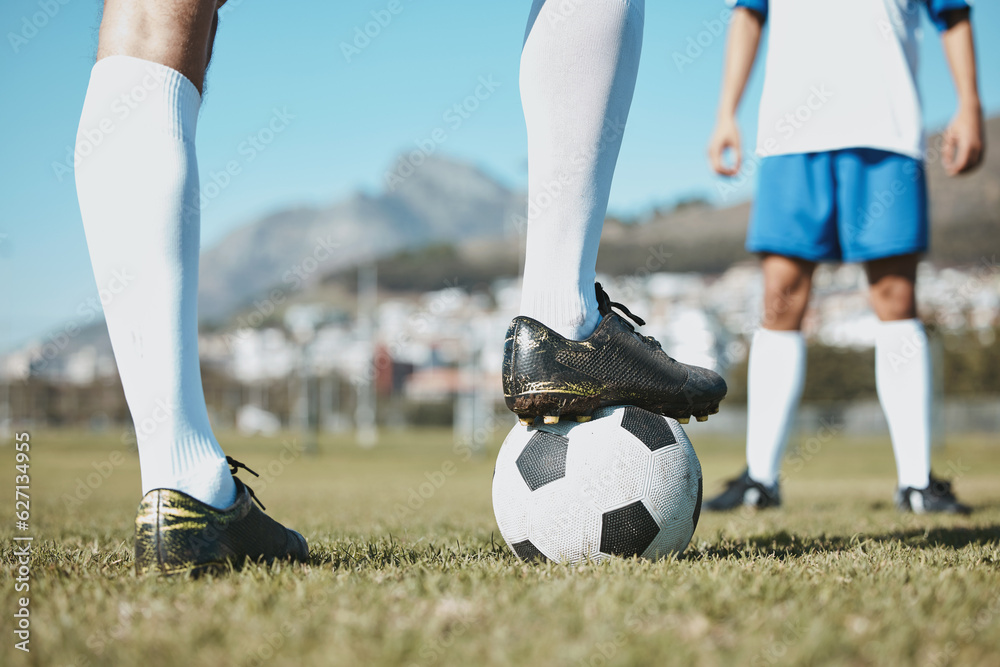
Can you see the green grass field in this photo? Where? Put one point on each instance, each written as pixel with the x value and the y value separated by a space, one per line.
pixel 836 577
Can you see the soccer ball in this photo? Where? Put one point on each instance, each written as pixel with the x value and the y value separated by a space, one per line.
pixel 627 483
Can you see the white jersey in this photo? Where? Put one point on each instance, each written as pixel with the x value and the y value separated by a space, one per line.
pixel 843 74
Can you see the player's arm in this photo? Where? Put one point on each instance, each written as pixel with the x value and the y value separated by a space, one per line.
pixel 741 50
pixel 964 141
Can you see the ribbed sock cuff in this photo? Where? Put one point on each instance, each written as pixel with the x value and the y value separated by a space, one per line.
pixel 899 331
pixel 571 313
pixel 128 87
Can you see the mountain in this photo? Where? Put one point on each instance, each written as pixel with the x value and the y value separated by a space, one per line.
pixel 441 201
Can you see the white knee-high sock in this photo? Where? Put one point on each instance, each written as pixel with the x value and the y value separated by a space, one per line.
pixel 776 373
pixel 137 182
pixel 903 381
pixel 578 71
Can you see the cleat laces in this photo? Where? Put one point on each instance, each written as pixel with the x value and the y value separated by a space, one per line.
pixel 234 467
pixel 605 305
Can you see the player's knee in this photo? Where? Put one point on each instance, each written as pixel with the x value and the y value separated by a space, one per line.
pixel 784 307
pixel 786 298
pixel 893 300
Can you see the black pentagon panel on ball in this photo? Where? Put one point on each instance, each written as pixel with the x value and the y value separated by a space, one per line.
pixel 543 459
pixel 697 505
pixel 627 531
pixel 528 551
pixel 651 429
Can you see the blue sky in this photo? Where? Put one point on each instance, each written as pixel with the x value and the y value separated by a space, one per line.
pixel 352 116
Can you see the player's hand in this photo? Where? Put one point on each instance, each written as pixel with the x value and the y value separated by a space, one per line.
pixel 964 143
pixel 725 137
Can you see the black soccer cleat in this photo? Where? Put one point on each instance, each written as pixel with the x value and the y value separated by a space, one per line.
pixel 745 491
pixel 549 376
pixel 937 497
pixel 178 534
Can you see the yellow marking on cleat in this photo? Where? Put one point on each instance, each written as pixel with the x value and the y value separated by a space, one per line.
pixel 550 419
pixel 714 411
pixel 526 421
pixel 683 420
pixel 583 418
pixel 701 418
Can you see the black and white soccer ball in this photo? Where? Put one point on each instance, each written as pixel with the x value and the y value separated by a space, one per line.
pixel 627 483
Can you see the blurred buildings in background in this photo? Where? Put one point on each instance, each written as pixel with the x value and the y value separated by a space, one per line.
pixel 435 357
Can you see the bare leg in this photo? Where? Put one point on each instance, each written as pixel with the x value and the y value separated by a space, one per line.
pixel 902 367
pixel 175 33
pixel 775 376
pixel 137 182
pixel 777 365
pixel 787 284
pixel 893 287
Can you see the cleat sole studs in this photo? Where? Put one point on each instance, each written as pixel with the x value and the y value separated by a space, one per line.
pixel 701 418
pixel 583 418
pixel 550 419
pixel 683 420
pixel 526 421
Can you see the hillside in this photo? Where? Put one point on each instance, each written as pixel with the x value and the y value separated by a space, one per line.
pixel 442 201
pixel 965 215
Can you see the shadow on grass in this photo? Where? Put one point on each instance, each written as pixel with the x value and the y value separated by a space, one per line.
pixel 385 553
pixel 783 544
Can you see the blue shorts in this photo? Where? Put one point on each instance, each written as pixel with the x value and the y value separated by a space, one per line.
pixel 849 205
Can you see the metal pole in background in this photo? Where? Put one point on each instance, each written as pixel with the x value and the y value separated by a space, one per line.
pixel 482 397
pixel 364 414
